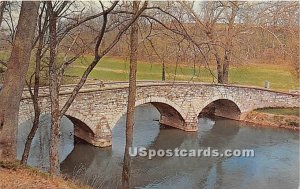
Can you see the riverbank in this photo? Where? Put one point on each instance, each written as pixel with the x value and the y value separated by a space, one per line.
pixel 290 122
pixel 13 175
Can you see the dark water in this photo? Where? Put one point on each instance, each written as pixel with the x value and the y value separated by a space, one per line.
pixel 275 165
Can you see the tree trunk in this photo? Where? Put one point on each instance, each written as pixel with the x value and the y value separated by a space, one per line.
pixel 131 101
pixel 216 54
pixel 228 43
pixel 14 78
pixel 54 96
pixel 163 75
pixel 226 67
pixel 2 7
pixel 219 70
pixel 35 100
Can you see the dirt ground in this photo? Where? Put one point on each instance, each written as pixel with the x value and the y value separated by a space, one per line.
pixel 27 178
pixel 270 120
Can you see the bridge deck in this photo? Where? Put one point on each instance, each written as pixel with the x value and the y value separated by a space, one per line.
pixel 96 86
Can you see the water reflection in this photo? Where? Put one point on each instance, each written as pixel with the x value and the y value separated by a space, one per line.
pixel 275 165
pixel 39 151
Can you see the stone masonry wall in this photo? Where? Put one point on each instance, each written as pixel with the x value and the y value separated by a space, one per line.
pixel 100 109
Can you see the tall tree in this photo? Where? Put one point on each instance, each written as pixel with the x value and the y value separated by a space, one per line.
pixel 53 86
pixel 56 70
pixel 131 100
pixel 14 78
pixel 218 44
pixel 228 47
pixel 42 27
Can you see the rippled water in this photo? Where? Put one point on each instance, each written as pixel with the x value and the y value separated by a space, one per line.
pixel 275 165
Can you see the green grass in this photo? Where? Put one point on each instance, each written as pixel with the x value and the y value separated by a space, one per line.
pixel 117 70
pixel 254 75
pixel 280 111
pixel 113 69
pixel 279 76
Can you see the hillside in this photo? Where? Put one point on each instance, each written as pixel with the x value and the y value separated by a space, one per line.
pixel 113 69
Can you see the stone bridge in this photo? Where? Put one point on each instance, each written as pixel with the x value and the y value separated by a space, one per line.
pixel 97 109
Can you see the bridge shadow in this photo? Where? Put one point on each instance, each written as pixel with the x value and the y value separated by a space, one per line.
pixel 147 133
pixel 222 108
pixel 219 134
pixel 164 139
pixel 82 131
pixel 85 156
pixel 92 162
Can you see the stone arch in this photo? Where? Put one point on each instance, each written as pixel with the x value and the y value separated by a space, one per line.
pixel 70 114
pixel 82 127
pixel 223 107
pixel 160 103
pixel 82 118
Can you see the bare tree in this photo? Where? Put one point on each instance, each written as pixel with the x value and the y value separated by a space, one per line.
pixel 231 15
pixel 14 78
pixel 210 23
pixel 56 71
pixel 131 99
pixel 40 52
pixel 53 86
pixel 279 23
pixel 2 7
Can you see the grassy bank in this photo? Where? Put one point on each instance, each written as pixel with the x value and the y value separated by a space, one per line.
pixel 13 175
pixel 273 120
pixel 280 111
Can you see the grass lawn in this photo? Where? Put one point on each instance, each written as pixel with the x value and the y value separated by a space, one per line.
pixel 114 69
pixel 280 111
